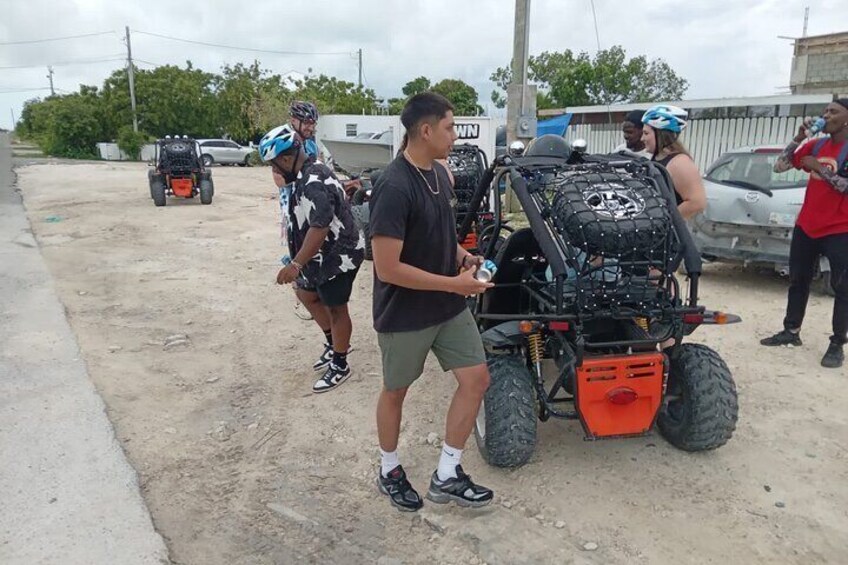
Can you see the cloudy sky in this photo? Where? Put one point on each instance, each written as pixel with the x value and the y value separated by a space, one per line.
pixel 723 47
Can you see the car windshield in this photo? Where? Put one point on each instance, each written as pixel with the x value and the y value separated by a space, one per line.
pixel 757 169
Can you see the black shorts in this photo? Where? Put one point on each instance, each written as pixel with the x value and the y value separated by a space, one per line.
pixel 336 291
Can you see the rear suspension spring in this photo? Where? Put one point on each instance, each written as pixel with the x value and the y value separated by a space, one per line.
pixel 534 341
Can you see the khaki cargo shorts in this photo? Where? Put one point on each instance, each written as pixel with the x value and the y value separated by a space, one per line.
pixel 455 343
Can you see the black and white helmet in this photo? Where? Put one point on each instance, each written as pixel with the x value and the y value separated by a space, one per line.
pixel 304 111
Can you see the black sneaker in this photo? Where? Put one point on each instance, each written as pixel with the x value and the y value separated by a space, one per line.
pixel 399 491
pixel 834 357
pixel 783 338
pixel 324 360
pixel 460 490
pixel 332 378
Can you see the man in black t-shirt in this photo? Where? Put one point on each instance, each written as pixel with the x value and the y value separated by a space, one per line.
pixel 325 247
pixel 422 277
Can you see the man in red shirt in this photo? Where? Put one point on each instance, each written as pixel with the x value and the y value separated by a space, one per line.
pixel 821 229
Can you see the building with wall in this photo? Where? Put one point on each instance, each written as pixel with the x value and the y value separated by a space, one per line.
pixel 820 65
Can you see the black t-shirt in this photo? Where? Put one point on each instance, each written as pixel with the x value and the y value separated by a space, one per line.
pixel 403 207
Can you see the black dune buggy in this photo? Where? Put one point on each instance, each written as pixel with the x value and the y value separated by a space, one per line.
pixel 467 164
pixel 359 188
pixel 178 171
pixel 587 319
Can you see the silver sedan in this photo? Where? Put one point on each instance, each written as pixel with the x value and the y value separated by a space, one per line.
pixel 751 210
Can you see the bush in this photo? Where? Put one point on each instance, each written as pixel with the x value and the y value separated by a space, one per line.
pixel 131 142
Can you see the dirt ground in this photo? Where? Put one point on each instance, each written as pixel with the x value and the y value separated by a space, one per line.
pixel 241 464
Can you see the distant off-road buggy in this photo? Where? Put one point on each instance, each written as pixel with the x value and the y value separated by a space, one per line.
pixel 178 171
pixel 587 319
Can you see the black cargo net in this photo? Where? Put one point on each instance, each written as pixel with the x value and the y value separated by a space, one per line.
pixel 615 226
pixel 467 168
pixel 178 156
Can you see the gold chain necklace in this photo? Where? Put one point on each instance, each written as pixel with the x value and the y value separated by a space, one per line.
pixel 433 192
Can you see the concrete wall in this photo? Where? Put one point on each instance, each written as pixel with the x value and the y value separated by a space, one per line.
pixel 820 64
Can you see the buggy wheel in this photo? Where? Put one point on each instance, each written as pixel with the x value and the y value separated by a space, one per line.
pixel 207 190
pixel 702 408
pixel 207 159
pixel 157 192
pixel 152 179
pixel 505 428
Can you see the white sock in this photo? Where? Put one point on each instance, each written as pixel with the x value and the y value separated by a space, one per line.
pixel 448 461
pixel 388 461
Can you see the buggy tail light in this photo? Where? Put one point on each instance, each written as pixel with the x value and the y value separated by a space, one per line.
pixel 559 326
pixel 693 318
pixel 622 396
pixel 720 318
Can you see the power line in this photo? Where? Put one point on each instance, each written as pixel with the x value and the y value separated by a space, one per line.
pixel 118 57
pixel 55 38
pixel 239 48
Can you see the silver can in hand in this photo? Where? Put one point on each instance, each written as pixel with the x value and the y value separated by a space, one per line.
pixel 486 271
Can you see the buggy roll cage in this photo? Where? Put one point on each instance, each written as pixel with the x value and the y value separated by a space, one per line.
pixel 560 253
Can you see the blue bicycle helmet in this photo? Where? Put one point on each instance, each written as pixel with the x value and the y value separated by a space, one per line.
pixel 662 116
pixel 281 139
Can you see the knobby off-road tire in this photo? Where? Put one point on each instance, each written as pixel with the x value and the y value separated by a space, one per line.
pixel 703 417
pixel 505 429
pixel 157 191
pixel 207 190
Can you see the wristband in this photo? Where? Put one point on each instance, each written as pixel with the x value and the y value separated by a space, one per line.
pixel 297 266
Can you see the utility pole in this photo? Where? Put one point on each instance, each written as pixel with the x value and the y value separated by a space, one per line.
pixel 131 72
pixel 360 68
pixel 50 76
pixel 806 21
pixel 521 97
pixel 12 110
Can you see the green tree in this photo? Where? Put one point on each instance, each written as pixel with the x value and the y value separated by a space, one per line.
pixel 170 101
pixel 463 96
pixel 238 92
pixel 131 142
pixel 416 86
pixel 334 96
pixel 566 79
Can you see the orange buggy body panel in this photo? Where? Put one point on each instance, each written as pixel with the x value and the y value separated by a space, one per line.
pixel 620 395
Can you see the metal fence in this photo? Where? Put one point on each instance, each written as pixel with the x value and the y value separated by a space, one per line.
pixel 706 140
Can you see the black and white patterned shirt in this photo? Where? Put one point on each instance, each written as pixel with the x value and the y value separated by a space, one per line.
pixel 319 201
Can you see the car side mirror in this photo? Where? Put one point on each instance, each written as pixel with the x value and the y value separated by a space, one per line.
pixel 579 146
pixel 516 148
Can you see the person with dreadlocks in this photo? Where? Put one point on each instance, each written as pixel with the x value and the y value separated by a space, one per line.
pixel 821 228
